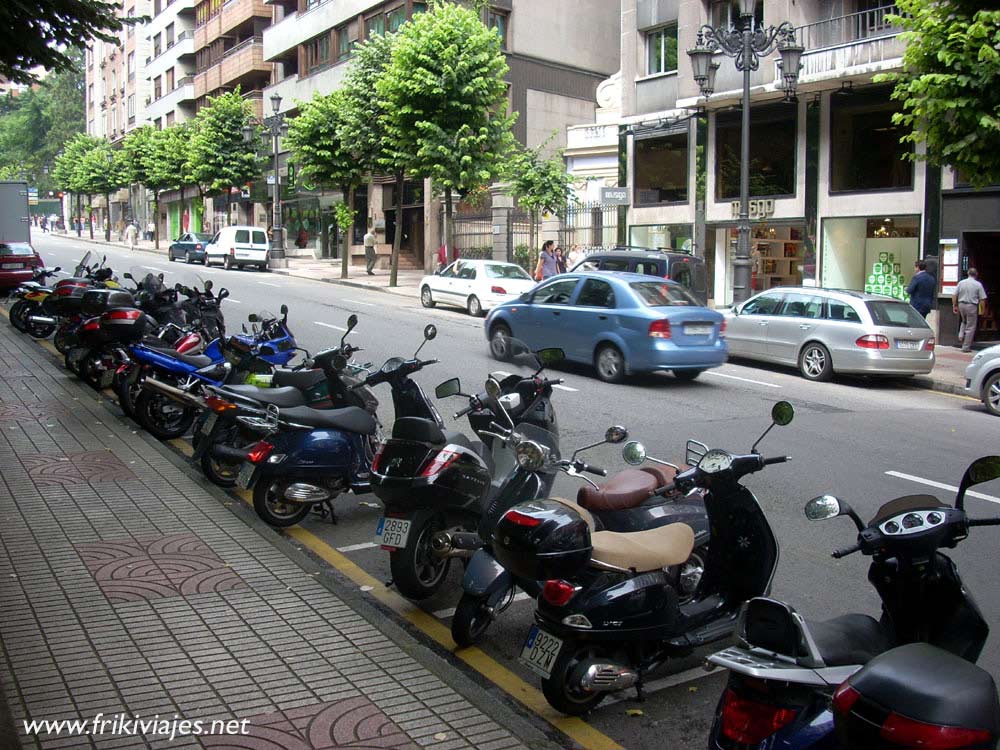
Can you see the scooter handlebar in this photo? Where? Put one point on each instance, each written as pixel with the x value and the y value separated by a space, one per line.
pixel 463 412
pixel 590 469
pixel 837 554
pixel 776 460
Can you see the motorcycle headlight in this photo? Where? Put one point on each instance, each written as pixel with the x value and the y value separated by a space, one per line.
pixel 530 455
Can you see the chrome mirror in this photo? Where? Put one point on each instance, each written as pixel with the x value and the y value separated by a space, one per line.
pixel 616 434
pixel 634 452
pixel 823 507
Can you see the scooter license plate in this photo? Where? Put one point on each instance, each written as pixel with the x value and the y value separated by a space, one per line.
pixel 540 651
pixel 392 533
pixel 209 423
pixel 245 478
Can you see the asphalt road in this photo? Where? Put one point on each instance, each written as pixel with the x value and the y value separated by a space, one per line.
pixel 864 441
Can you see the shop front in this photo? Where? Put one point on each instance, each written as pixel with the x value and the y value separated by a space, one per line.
pixel 873 254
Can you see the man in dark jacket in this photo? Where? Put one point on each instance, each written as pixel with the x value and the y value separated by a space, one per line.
pixel 922 288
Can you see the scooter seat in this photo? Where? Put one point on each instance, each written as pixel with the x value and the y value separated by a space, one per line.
pixel 643 551
pixel 849 639
pixel 626 489
pixel 195 360
pixel 280 397
pixel 350 418
pixel 301 379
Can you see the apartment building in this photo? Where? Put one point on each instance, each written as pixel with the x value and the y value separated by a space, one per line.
pixel 558 52
pixel 833 200
pixel 170 66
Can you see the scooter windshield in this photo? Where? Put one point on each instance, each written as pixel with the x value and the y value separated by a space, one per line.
pixel 81 267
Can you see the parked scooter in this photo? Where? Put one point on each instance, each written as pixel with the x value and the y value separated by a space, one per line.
pixel 433 480
pixel 609 612
pixel 917 696
pixel 784 670
pixel 622 504
pixel 313 455
pixel 28 296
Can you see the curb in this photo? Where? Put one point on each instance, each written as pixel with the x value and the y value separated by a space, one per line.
pixel 348 282
pixel 929 384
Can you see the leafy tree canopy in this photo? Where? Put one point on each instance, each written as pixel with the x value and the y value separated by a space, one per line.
pixel 950 84
pixel 316 143
pixel 218 158
pixel 102 169
pixel 364 124
pixel 166 158
pixel 68 172
pixel 540 184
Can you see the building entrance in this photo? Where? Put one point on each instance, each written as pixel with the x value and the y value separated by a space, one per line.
pixel 982 252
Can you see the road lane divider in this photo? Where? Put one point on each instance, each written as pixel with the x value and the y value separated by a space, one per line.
pixel 329 325
pixel 745 380
pixel 359 302
pixel 942 486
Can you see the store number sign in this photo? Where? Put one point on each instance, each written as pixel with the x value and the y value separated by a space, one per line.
pixel 759 209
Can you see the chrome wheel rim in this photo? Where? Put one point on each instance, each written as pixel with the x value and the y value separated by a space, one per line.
pixel 425 297
pixel 814 362
pixel 474 307
pixel 498 344
pixel 276 503
pixel 429 569
pixel 993 396
pixel 609 363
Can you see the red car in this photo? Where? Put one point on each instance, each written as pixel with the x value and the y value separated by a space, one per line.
pixel 17 262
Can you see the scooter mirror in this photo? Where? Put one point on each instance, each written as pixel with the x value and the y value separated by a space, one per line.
pixel 984 469
pixel 448 388
pixel 530 455
pixel 430 332
pixel 823 507
pixel 161 276
pixel 284 310
pixel 208 285
pixel 125 275
pixel 782 413
pixel 252 317
pixel 634 452
pixel 223 293
pixel 616 434
pixel 352 321
pixel 57 269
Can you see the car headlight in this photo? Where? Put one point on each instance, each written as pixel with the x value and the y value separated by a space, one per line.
pixel 978 357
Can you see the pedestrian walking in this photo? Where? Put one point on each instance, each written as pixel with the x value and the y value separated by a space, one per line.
pixel 560 261
pixel 574 257
pixel 131 235
pixel 44 224
pixel 922 287
pixel 370 255
pixel 546 262
pixel 150 231
pixel 965 303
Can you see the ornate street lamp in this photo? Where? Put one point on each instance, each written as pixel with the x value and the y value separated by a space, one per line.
pixel 275 127
pixel 746 44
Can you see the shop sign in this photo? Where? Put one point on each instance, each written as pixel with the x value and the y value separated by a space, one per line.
pixel 759 209
pixel 614 196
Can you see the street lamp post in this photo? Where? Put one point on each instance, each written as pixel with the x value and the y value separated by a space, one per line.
pixel 275 127
pixel 746 44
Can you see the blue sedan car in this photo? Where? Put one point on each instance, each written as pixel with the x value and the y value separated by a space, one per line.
pixel 622 323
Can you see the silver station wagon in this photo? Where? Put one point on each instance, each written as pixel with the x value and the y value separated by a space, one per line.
pixel 823 331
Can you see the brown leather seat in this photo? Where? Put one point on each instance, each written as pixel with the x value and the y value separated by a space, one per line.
pixel 626 489
pixel 643 551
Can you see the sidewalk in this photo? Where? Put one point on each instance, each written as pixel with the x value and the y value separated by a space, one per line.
pixel 129 589
pixel 948 375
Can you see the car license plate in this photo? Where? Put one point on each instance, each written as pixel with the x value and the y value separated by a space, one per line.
pixel 540 651
pixel 699 329
pixel 206 427
pixel 907 344
pixel 392 533
pixel 12 266
pixel 245 478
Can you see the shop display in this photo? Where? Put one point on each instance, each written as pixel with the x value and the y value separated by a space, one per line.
pixel 776 256
pixel 886 278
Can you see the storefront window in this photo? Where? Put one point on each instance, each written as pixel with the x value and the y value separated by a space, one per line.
pixel 302 222
pixel 865 150
pixel 773 130
pixel 661 170
pixel 662 236
pixel 870 254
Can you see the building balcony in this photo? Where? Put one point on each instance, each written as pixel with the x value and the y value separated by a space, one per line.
pixel 849 45
pixel 246 59
pixel 295 89
pixel 183 46
pixel 181 96
pixel 297 28
pixel 234 14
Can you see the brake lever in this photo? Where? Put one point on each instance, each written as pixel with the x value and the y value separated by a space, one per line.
pixel 571 471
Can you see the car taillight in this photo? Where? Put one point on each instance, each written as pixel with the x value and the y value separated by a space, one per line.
pixel 259 452
pixel 497 290
pixel 660 329
pixel 218 405
pixel 198 246
pixel 377 459
pixel 520 519
pixel 872 341
pixel 722 328
pixel 666 276
pixel 232 251
pixel 748 722
pixel 439 463
pixel 906 732
pixel 558 593
pixel 929 346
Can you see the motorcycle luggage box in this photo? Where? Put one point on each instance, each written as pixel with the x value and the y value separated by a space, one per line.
pixel 543 539
pixel 918 684
pixel 97 301
pixel 64 301
pixel 126 324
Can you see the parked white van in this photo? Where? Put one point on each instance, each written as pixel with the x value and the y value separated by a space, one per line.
pixel 238 246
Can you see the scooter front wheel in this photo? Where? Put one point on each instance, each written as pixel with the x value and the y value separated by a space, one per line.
pixel 472 618
pixel 19 313
pixel 162 417
pixel 562 689
pixel 416 571
pixel 272 507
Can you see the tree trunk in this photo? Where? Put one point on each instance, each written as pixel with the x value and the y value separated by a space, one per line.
pixel 531 241
pixel 107 229
pixel 449 221
pixel 79 217
pixel 345 254
pixel 90 215
pixel 397 237
pixel 156 220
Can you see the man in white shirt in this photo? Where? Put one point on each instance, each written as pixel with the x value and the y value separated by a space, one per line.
pixel 965 303
pixel 370 249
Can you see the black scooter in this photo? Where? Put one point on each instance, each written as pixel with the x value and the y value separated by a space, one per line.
pixel 622 504
pixel 785 667
pixel 610 612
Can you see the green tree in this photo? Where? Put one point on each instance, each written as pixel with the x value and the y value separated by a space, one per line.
pixel 68 172
pixel 165 162
pixel 217 156
pixel 43 33
pixel 949 85
pixel 540 185
pixel 102 171
pixel 446 102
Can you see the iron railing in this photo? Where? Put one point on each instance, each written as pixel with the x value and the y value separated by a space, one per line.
pixel 592 226
pixel 854 27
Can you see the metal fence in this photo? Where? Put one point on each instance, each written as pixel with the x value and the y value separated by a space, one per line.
pixel 854 27
pixel 474 235
pixel 592 226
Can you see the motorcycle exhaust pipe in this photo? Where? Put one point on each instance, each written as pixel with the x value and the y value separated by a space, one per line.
pixel 228 453
pixel 43 320
pixel 607 678
pixel 183 397
pixel 455 544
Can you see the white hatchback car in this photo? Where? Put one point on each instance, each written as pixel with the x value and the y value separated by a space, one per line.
pixel 238 246
pixel 476 285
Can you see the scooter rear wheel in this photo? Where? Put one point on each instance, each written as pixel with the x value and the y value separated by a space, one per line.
pixel 471 620
pixel 415 571
pixel 162 417
pixel 64 339
pixel 558 689
pixel 19 313
pixel 273 509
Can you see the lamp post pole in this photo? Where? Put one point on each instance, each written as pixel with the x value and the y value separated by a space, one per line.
pixel 276 127
pixel 746 44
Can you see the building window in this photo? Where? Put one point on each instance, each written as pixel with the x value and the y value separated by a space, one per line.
pixel 498 20
pixel 310 4
pixel 131 106
pixel 114 81
pixel 374 25
pixel 727 13
pixel 170 119
pixel 873 254
pixel 661 50
pixel 130 28
pixel 169 81
pixel 346 39
pixel 418 7
pixel 90 94
pixel 130 66
pixel 865 150
pixel 156 46
pixel 317 53
pixel 662 236
pixel 773 130
pixel 158 124
pixel 661 170
pixel 168 34
pixel 157 87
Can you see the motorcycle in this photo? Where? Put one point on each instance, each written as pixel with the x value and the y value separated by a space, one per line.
pixel 29 295
pixel 313 455
pixel 64 300
pixel 785 669
pixel 437 483
pixel 621 504
pixel 610 612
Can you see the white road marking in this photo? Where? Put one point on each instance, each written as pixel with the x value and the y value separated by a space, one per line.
pixel 444 614
pixel 673 680
pixel 745 380
pixel 154 268
pixel 358 302
pixel 230 299
pixel 267 283
pixel 942 486
pixel 565 388
pixel 328 325
pixel 356 547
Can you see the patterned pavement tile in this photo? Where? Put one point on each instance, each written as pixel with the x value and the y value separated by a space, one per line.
pixel 57 469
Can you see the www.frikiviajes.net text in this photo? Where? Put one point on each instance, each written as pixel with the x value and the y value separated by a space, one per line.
pixel 123 725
